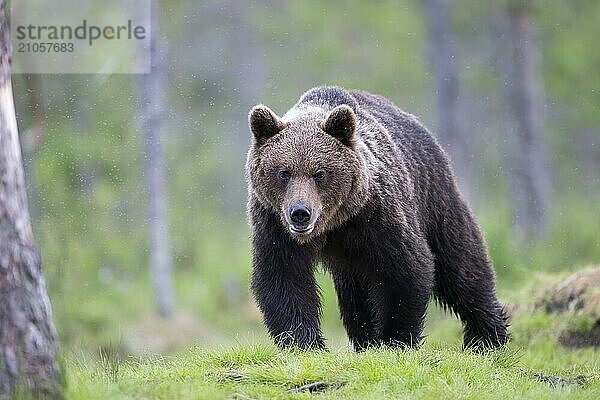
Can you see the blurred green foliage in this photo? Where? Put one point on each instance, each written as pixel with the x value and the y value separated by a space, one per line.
pixel 87 190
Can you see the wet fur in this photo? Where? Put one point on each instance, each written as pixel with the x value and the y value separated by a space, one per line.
pixel 393 230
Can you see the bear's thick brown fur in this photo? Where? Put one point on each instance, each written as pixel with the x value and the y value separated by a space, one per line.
pixel 347 179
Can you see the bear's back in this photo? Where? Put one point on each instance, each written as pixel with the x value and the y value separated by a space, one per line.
pixel 426 161
pixel 405 128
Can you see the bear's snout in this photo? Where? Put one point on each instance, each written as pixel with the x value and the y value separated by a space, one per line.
pixel 301 207
pixel 301 219
pixel 300 215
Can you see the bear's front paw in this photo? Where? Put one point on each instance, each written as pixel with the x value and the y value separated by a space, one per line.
pixel 302 340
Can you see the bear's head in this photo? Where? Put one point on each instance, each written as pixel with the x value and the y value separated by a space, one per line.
pixel 307 168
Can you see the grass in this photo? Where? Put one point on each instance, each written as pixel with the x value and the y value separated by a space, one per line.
pixel 261 371
pixel 533 366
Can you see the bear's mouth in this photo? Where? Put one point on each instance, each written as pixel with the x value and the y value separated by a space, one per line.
pixel 301 230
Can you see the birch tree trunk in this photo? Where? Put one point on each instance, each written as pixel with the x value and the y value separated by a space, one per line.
pixel 150 92
pixel 526 157
pixel 27 336
pixel 441 55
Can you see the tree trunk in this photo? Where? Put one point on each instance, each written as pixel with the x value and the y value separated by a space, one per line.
pixel 27 336
pixel 444 69
pixel 150 93
pixel 528 174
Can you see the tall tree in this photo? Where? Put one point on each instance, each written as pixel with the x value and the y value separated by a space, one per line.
pixel 443 63
pixel 526 157
pixel 27 336
pixel 151 113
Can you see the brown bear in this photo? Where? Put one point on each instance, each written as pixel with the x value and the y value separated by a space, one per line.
pixel 347 179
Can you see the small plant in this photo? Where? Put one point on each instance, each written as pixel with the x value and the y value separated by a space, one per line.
pixel 110 361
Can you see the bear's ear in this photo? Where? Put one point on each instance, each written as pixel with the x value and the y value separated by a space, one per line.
pixel 341 124
pixel 264 123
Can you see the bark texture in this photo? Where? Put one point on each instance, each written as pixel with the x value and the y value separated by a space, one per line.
pixel 150 93
pixel 27 336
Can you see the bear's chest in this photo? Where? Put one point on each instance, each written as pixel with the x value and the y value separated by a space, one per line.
pixel 350 245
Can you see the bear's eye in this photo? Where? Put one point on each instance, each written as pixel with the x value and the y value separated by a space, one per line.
pixel 284 176
pixel 320 175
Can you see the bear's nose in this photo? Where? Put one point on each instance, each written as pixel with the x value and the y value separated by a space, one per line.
pixel 300 214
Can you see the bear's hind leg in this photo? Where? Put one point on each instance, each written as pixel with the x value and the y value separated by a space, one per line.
pixel 464 279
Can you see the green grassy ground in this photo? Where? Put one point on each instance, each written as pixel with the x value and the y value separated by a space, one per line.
pixel 533 366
